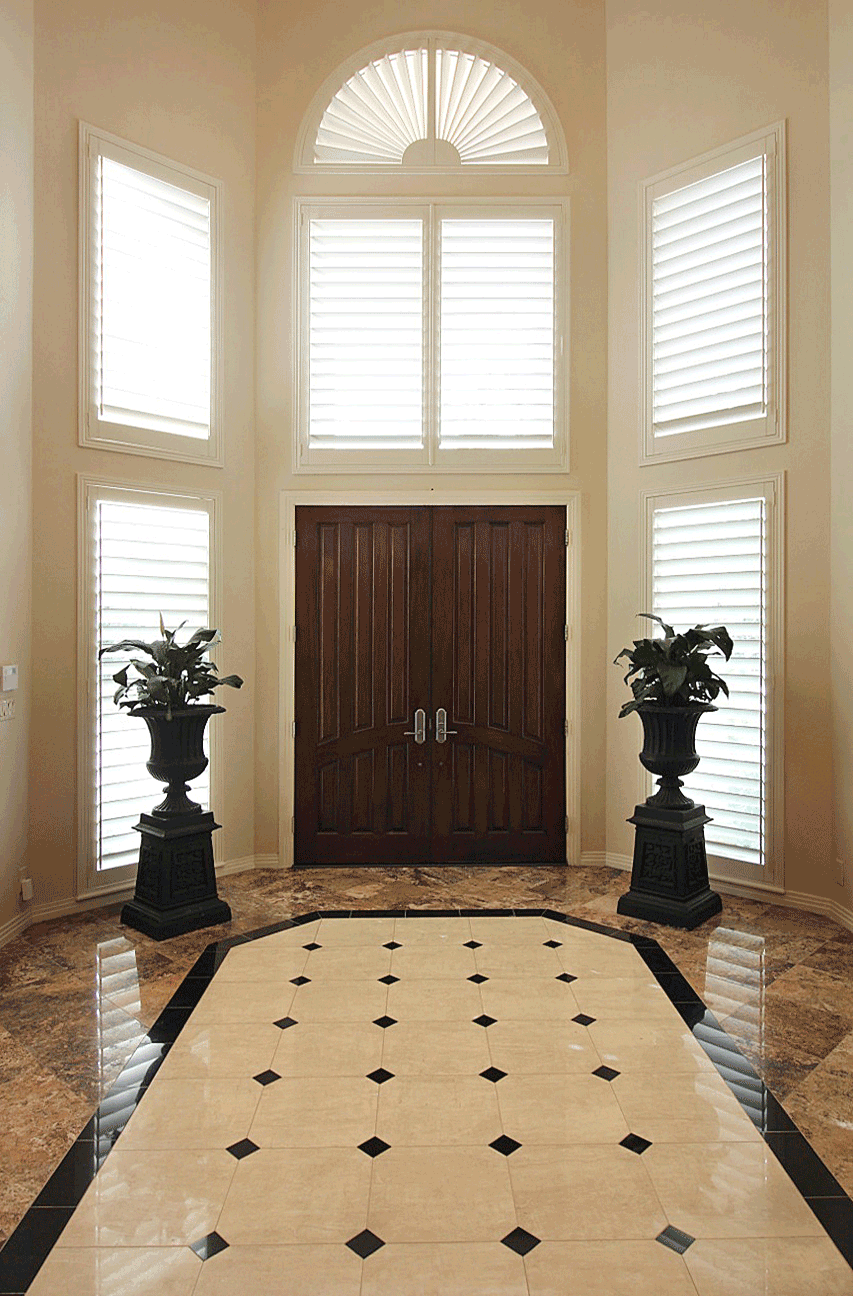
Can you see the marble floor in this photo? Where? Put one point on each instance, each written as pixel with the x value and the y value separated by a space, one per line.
pixel 77 998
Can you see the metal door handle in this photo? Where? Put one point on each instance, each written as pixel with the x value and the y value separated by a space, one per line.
pixel 419 731
pixel 441 729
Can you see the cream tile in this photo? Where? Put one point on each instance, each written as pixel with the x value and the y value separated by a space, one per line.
pixel 446 1269
pixel 541 1047
pixel 312 1049
pixel 334 1001
pixel 204 1052
pixel 234 1002
pixel 436 1048
pixel 439 931
pixel 420 1112
pixel 694 1108
pixel 192 1114
pixel 606 1269
pixel 431 961
pixel 660 1046
pixel 560 1109
pixel 285 1196
pixel 282 1271
pixel 529 999
pixel 151 1199
pixel 355 931
pixel 764 1267
pixel 262 961
pixel 608 959
pixel 441 1195
pixel 728 1190
pixel 434 1000
pixel 511 931
pixel 606 998
pixel 315 1111
pixel 348 962
pixel 600 1193
pixel 509 960
pixel 126 1271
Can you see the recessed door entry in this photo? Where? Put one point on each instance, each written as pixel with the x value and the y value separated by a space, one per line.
pixel 430 685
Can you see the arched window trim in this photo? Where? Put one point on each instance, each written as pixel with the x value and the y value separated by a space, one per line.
pixel 305 164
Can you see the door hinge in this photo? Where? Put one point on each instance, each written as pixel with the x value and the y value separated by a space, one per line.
pixel 566 633
pixel 566 728
pixel 566 825
pixel 294 539
pixel 293 729
pixel 293 823
pixel 568 538
pixel 295 633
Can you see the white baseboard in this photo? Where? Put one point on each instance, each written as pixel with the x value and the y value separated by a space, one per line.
pixel 609 859
pixel 14 927
pixel 268 862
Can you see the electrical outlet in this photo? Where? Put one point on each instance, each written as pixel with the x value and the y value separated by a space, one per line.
pixel 26 888
pixel 839 872
pixel 7 708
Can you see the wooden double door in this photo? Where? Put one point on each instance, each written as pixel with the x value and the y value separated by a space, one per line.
pixel 430 685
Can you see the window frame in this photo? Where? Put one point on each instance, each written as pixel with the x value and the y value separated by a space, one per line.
pixel 101 433
pixel 767 429
pixel 92 882
pixel 771 487
pixel 430 458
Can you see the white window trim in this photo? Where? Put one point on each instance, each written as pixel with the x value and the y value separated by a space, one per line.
pixel 92 431
pixel 430 459
pixel 772 428
pixel 90 489
pixel 303 161
pixel 770 877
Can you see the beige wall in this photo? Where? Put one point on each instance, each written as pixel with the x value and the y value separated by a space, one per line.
pixel 683 78
pixel 178 78
pixel 16 260
pixel 841 186
pixel 563 48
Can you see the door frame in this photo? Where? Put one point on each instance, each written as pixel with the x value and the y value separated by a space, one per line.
pixel 289 501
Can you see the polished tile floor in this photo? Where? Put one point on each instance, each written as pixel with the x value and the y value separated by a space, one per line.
pixel 76 997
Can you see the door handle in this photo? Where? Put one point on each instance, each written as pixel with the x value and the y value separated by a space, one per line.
pixel 419 731
pixel 441 729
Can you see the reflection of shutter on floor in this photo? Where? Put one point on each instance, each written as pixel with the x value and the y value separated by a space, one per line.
pixel 148 559
pixel 710 567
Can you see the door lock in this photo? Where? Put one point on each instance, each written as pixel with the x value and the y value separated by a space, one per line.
pixel 441 729
pixel 419 731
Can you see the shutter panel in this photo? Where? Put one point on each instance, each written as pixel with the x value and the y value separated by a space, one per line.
pixel 709 566
pixel 497 333
pixel 152 303
pixel 366 334
pixel 710 301
pixel 485 114
pixel 148 559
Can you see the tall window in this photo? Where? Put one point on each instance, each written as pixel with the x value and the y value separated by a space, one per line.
pixel 149 308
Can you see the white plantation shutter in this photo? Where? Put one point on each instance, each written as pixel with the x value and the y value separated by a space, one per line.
pixel 365 334
pixel 709 566
pixel 485 114
pixel 148 559
pixel 497 333
pixel 152 302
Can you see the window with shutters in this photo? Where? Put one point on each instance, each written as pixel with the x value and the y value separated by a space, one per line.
pixel 713 357
pixel 149 303
pixel 144 554
pixel 715 560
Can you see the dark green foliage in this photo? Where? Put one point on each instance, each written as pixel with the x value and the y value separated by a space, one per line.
pixel 673 671
pixel 177 675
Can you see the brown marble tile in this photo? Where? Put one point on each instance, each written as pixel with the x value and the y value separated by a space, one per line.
pixel 815 989
pixel 834 957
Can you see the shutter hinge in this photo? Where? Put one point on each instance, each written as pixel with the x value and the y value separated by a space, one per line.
pixel 568 538
pixel 566 728
pixel 294 539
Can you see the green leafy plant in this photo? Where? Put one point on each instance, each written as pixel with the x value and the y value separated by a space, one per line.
pixel 673 670
pixel 177 675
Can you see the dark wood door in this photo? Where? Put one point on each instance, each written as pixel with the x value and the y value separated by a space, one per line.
pixel 458 611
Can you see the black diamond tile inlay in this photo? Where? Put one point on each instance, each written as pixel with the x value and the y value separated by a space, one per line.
pixel 284 1022
pixel 379 1077
pixel 567 977
pixel 635 1143
pixel 385 1022
pixel 300 980
pixel 520 1241
pixel 505 1145
pixel 242 1149
pixel 493 1074
pixel 472 944
pixel 392 945
pixel 365 1243
pixel 675 1239
pixel 209 1246
pixel 312 946
pixel 485 1020
pixel 552 944
pixel 478 978
pixel 389 979
pixel 373 1147
pixel 583 1020
pixel 267 1077
pixel 606 1073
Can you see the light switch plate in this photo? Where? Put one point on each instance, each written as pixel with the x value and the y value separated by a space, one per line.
pixel 9 679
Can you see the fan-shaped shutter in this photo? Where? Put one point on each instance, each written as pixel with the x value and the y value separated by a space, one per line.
pixel 709 566
pixel 148 559
pixel 485 114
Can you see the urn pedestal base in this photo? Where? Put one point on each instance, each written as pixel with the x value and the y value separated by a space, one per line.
pixel 175 882
pixel 669 879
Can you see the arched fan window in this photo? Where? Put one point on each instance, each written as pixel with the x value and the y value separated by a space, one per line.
pixel 435 102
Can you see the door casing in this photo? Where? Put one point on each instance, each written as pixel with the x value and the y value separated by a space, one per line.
pixel 289 501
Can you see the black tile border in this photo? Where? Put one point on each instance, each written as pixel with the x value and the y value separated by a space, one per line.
pixel 35 1236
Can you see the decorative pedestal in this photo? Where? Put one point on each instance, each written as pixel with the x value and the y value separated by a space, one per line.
pixel 669 880
pixel 175 882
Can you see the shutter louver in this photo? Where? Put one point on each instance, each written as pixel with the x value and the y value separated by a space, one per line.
pixel 366 334
pixel 710 301
pixel 152 303
pixel 485 114
pixel 497 333
pixel 148 559
pixel 709 566
pixel 378 113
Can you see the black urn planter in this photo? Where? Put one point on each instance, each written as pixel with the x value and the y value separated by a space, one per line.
pixel 175 881
pixel 669 878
